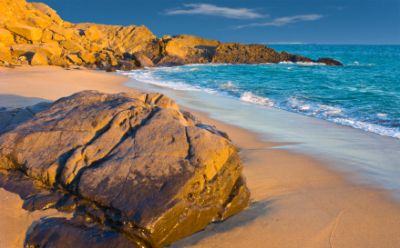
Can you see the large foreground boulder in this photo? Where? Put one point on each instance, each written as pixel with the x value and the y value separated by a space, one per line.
pixel 132 163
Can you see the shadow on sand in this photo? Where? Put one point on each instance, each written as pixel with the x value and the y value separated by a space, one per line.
pixel 15 101
pixel 249 215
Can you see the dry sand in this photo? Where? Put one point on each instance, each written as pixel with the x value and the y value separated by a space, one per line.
pixel 51 83
pixel 297 200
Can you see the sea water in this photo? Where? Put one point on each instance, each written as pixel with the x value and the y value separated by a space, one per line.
pixel 364 93
pixel 349 113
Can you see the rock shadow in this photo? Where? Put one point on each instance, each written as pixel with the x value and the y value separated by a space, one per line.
pixel 15 110
pixel 247 216
pixel 10 101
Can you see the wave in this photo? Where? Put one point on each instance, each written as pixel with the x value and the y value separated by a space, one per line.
pixel 356 63
pixel 147 76
pixel 205 65
pixel 326 112
pixel 302 63
pixel 369 127
pixel 229 86
pixel 314 109
pixel 336 115
pixel 252 98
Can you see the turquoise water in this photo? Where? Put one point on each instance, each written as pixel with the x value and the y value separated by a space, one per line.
pixel 363 94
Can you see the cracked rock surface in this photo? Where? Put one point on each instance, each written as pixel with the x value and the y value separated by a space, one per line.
pixel 134 169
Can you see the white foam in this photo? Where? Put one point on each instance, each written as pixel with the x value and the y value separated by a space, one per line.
pixel 229 86
pixel 336 115
pixel 382 116
pixel 252 98
pixel 301 63
pixel 205 64
pixel 148 76
pixel 356 63
pixel 314 109
pixel 369 127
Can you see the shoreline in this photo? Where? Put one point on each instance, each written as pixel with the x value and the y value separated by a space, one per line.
pixel 298 201
pixel 160 77
pixel 368 157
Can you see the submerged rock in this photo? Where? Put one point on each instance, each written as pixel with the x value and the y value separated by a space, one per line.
pixel 133 163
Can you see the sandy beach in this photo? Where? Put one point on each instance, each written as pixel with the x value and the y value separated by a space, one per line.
pixel 297 201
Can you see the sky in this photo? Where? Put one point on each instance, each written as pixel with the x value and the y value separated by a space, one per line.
pixel 249 21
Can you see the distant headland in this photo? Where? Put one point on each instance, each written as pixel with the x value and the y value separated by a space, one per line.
pixel 34 34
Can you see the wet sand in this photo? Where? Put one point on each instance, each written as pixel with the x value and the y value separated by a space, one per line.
pixel 297 201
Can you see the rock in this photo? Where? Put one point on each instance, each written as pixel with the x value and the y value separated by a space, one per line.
pixel 92 33
pixel 87 57
pixel 126 65
pixel 134 162
pixel 52 14
pixel 6 37
pixel 5 119
pixel 74 58
pixel 21 49
pixel 61 32
pixel 329 61
pixel 191 48
pixel 170 61
pixel 112 59
pixel 39 22
pixel 130 39
pixel 47 36
pixel 5 55
pixel 50 49
pixel 58 37
pixel 143 60
pixel 71 46
pixel 59 61
pixel 39 58
pixel 287 57
pixel 235 53
pixel 28 32
pixel 59 232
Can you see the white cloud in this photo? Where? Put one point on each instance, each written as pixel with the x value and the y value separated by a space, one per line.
pixel 213 10
pixel 282 21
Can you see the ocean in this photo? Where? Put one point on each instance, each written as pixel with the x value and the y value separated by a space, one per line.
pixel 363 94
pixel 348 116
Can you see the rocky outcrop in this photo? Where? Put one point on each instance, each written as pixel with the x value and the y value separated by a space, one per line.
pixel 245 54
pixel 33 33
pixel 188 49
pixel 235 53
pixel 132 167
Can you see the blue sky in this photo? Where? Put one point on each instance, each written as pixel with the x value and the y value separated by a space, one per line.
pixel 249 21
